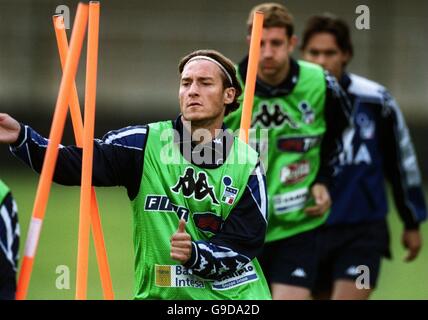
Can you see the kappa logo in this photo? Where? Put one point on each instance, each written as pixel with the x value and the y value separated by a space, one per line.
pixel 275 119
pixel 198 188
pixel 352 271
pixel 299 273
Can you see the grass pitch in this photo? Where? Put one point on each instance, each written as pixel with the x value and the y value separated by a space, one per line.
pixel 58 245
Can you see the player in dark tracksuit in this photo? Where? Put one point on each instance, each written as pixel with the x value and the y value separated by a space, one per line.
pixel 378 149
pixel 9 243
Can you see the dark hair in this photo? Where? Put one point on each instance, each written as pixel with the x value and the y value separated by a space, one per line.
pixel 330 24
pixel 275 15
pixel 227 64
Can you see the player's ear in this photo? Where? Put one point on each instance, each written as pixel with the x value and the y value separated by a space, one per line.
pixel 346 57
pixel 292 43
pixel 229 95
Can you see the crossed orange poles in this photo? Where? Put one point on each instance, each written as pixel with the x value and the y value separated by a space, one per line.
pixel 84 135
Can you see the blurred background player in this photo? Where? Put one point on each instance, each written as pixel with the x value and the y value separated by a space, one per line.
pixel 218 205
pixel 380 147
pixel 9 243
pixel 305 113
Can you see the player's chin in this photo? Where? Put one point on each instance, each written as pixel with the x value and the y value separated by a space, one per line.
pixel 269 71
pixel 194 115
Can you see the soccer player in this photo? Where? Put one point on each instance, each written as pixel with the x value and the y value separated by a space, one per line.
pixel 197 193
pixel 9 243
pixel 304 113
pixel 380 147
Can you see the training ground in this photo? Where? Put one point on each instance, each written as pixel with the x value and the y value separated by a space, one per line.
pixel 58 244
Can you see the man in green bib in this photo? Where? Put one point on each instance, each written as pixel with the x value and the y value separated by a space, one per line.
pixel 9 243
pixel 198 194
pixel 299 115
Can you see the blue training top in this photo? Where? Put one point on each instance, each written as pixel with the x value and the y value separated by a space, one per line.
pixel 377 147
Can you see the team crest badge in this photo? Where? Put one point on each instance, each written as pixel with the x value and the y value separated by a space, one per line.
pixel 308 115
pixel 367 126
pixel 230 193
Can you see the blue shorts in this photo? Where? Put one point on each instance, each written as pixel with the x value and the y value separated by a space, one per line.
pixel 348 251
pixel 291 261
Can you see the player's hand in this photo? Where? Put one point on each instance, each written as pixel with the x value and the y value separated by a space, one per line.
pixel 412 241
pixel 181 244
pixel 322 200
pixel 9 129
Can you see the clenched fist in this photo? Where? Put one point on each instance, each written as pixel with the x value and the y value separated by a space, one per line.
pixel 322 200
pixel 412 241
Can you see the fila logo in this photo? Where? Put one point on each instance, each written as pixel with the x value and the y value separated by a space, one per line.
pixel 158 203
pixel 190 186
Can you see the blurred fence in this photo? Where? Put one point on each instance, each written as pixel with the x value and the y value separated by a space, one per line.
pixel 142 41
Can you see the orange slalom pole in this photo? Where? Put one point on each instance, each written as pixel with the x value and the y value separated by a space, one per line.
pixel 250 82
pixel 76 118
pixel 51 155
pixel 88 148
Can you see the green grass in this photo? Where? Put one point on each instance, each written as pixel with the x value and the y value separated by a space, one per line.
pixel 58 245
pixel 58 240
pixel 399 279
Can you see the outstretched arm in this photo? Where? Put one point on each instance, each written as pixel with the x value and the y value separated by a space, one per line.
pixel 118 157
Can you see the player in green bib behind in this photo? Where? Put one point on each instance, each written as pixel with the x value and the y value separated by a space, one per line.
pixel 299 115
pixel 198 193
